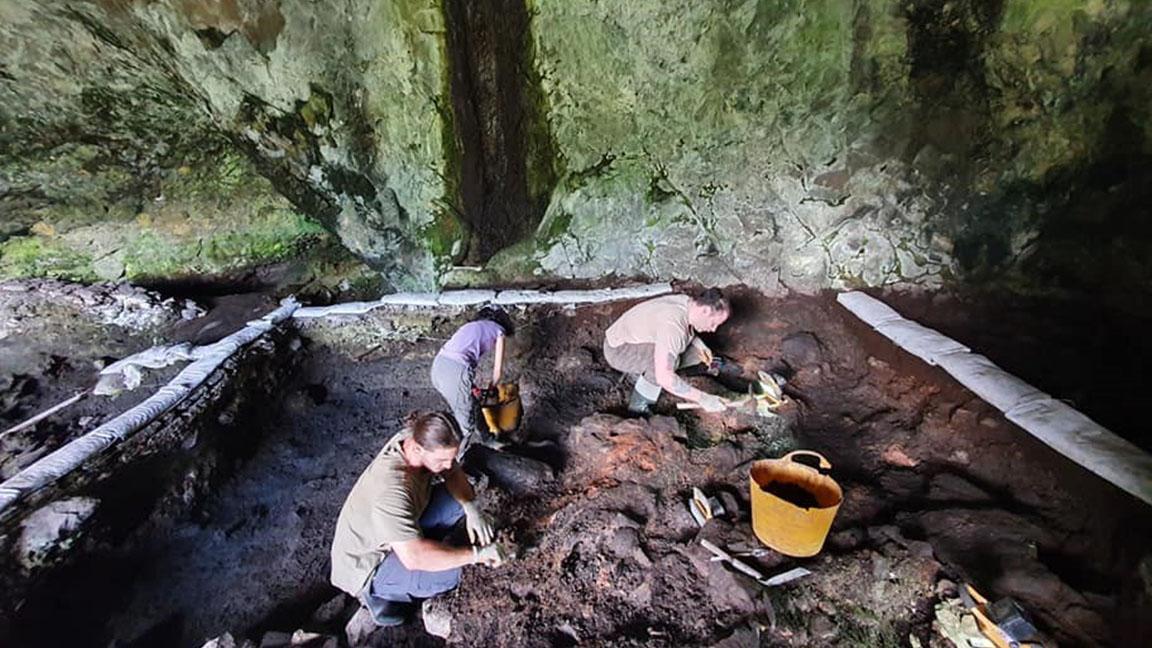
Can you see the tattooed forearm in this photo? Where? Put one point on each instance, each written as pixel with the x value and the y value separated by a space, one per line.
pixel 680 388
pixel 677 387
pixel 666 375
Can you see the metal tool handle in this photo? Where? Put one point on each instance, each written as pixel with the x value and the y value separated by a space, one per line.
pixel 823 465
pixel 695 406
pixel 727 557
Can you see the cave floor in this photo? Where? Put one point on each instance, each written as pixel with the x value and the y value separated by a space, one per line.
pixel 938 488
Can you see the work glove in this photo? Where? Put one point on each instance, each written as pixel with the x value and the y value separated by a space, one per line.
pixel 712 403
pixel 480 528
pixel 490 555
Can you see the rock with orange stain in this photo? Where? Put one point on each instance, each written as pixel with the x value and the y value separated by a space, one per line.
pixel 605 446
pixel 894 455
pixel 43 229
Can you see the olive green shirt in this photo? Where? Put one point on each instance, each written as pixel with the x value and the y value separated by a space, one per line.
pixel 384 507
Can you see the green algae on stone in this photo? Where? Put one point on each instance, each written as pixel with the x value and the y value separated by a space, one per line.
pixel 1050 63
pixel 741 109
pixel 694 104
pixel 271 236
pixel 210 215
pixel 32 256
pixel 786 143
pixel 154 80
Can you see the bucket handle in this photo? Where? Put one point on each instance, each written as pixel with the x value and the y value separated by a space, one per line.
pixel 822 465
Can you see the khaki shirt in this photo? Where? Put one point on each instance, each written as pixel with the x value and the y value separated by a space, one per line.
pixel 384 507
pixel 662 321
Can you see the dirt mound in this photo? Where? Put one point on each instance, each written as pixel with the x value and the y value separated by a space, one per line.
pixel 609 558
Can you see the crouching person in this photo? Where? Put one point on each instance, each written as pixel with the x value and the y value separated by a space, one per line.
pixel 654 339
pixel 389 549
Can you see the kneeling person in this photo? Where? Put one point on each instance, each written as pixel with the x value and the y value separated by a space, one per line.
pixel 389 548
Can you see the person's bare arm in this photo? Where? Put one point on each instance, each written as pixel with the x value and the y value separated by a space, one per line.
pixel 706 355
pixel 498 362
pixel 429 555
pixel 457 484
pixel 666 362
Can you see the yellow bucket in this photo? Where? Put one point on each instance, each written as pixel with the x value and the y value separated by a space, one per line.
pixel 502 410
pixel 793 502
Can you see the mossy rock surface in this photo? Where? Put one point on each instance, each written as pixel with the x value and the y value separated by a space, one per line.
pixel 786 145
pixel 107 106
pixel 823 144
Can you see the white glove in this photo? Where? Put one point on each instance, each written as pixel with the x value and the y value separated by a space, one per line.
pixel 491 555
pixel 712 403
pixel 480 528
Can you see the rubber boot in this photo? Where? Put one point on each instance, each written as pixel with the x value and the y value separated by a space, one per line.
pixel 644 396
pixel 638 404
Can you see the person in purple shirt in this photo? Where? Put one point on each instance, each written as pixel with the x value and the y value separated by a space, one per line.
pixel 454 368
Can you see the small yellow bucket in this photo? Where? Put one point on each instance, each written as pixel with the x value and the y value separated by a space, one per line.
pixel 502 410
pixel 794 502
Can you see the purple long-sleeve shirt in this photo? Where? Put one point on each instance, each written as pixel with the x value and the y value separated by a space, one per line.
pixel 472 341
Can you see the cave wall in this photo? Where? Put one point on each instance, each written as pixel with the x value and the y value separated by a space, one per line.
pixel 835 144
pixel 787 145
pixel 319 113
pixel 110 170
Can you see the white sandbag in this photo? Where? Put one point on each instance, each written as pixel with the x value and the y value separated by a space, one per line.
pixel 126 374
pixel 920 341
pixel 466 297
pixel 410 299
pixel 870 310
pixel 997 387
pixel 347 308
pixel 70 456
pixel 596 296
pixel 1089 444
pixel 1069 432
pixel 475 297
pixel 511 297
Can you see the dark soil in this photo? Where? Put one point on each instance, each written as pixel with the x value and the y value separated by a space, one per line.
pixel 936 483
pixel 791 493
pixel 1087 353
pixel 58 350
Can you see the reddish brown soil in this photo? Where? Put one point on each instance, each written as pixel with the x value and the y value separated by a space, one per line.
pixel 914 451
pixel 936 485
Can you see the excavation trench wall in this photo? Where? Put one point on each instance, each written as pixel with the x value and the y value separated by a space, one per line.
pixel 158 472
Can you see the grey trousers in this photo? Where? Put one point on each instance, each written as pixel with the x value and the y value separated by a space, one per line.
pixel 640 360
pixel 453 379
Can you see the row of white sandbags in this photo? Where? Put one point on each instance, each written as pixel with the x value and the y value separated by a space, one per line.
pixel 209 358
pixel 476 297
pixel 71 455
pixel 1066 430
